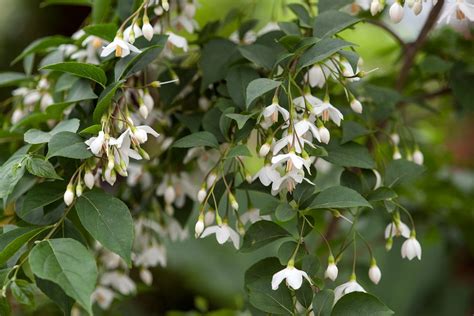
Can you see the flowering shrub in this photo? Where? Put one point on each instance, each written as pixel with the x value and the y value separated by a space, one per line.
pixel 144 120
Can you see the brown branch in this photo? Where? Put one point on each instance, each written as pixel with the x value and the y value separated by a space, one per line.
pixel 386 28
pixel 412 49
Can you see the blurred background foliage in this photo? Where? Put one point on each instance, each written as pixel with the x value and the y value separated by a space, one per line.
pixel 202 276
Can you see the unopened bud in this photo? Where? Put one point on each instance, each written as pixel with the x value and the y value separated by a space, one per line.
pixel 143 111
pixel 89 179
pixel 233 202
pixel 396 12
pixel 170 194
pixel 79 189
pixel 264 150
pixel 374 272
pixel 199 227
pixel 201 196
pixel 356 106
pixel 324 134
pixel 69 195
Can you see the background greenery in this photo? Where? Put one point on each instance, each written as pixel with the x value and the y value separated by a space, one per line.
pixel 204 276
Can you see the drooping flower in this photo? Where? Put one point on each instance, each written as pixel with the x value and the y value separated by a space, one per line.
pixel 223 233
pixel 331 271
pixel 374 272
pixel 459 9
pixel 305 125
pixel 177 41
pixel 418 157
pixel 120 47
pixel 327 111
pixel 316 76
pixel 292 160
pixel 293 276
pixel 96 143
pixel 397 228
pixel 129 35
pixel 411 248
pixel 346 288
pixel 103 296
pixel 267 175
pixel 253 215
pixel 396 12
pixel 119 281
pixel 271 112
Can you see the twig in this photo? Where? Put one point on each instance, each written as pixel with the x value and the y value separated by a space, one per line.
pixel 412 49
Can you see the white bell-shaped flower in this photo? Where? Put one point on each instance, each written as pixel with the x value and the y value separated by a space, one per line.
pixel 223 233
pixel 346 288
pixel 120 47
pixel 411 248
pixel 293 277
pixel 396 12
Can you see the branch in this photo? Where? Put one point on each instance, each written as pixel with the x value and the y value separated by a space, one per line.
pixel 412 49
pixel 385 27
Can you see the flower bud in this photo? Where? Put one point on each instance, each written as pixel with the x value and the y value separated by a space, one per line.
pixel 417 7
pixel 89 179
pixel 418 157
pixel 111 162
pixel 395 138
pixel 264 150
pixel 356 106
pixel 140 135
pixel 146 276
pixel 324 134
pixel 201 196
pixel 211 179
pixel 69 195
pixel 199 227
pixel 331 271
pixel 165 4
pixel 374 272
pixel 375 7
pixel 396 154
pixel 396 12
pixel 144 154
pixel 147 29
pixel 143 111
pixel 170 194
pixel 389 244
pixel 233 202
pixel 155 84
pixel 79 189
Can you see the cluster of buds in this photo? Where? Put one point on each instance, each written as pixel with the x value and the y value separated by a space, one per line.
pixel 416 155
pixel 411 247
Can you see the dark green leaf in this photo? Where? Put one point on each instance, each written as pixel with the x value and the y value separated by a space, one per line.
pixel 401 171
pixel 352 130
pixel 261 55
pixel 69 264
pixel 108 220
pixel 302 13
pixel 238 78
pixel 324 5
pixel 42 44
pixel 323 302
pixel 69 145
pixel 259 87
pixel 56 294
pixel 339 197
pixel 241 119
pixel 262 233
pixel 41 168
pixel 322 50
pixel 382 194
pixel 349 155
pixel 100 9
pixel 359 303
pixel 67 2
pixel 104 31
pixel 23 292
pixel 105 99
pixel 13 240
pixel 196 140
pixel 284 212
pixel 82 70
pixel 331 22
pixel 215 58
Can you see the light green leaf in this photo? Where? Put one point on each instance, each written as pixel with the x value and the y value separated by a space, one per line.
pixel 36 208
pixel 69 145
pixel 284 212
pixel 10 173
pixel 196 140
pixel 23 292
pixel 259 87
pixel 69 264
pixel 82 70
pixel 34 136
pixel 324 5
pixel 108 220
pixel 239 151
pixel 241 119
pixel 321 50
pixel 339 197
pixel 42 44
pixel 41 168
pixel 331 22
pixel 359 303
pixel 261 234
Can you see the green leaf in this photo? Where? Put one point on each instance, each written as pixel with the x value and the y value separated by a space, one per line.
pixel 104 31
pixel 41 168
pixel 105 99
pixel 56 294
pixel 100 9
pixel 305 294
pixel 359 303
pixel 10 173
pixel 382 194
pixel 23 292
pixel 352 130
pixel 321 50
pixel 262 233
pixel 241 119
pixel 324 5
pixel 108 220
pixel 93 129
pixel 259 87
pixel 323 302
pixel 5 308
pixel 331 22
pixel 239 151
pixel 13 240
pixel 69 264
pixel 349 155
pixel 302 13
pixel 11 78
pixel 41 195
pixel 284 212
pixel 216 56
pixel 132 64
pixel 196 140
pixel 238 78
pixel 261 55
pixel 286 251
pixel 82 70
pixel 41 44
pixel 339 197
pixel 401 171
pixel 69 145
pixel 34 136
pixel 258 284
